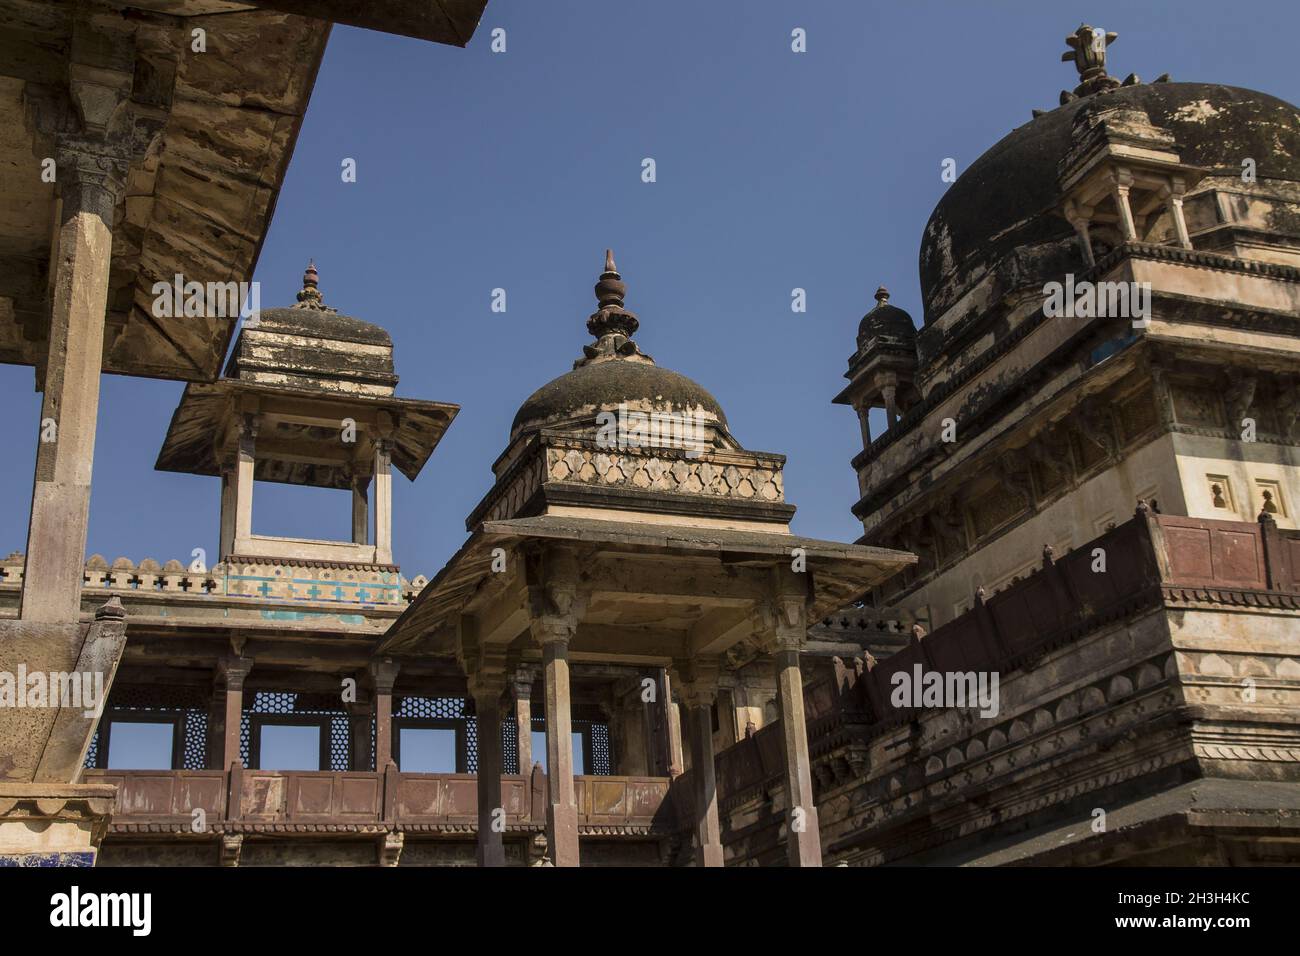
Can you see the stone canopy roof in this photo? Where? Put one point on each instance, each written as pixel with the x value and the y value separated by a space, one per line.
pixel 837 572
pixel 311 368
pixel 310 345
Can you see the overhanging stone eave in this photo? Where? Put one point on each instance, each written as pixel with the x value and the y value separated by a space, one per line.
pixel 202 412
pixel 840 572
pixel 451 22
pixel 1199 804
pixel 186 348
pixel 434 608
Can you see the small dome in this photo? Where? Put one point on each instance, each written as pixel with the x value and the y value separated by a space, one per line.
pixel 603 386
pixel 886 324
pixel 310 345
pixel 331 325
pixel 612 372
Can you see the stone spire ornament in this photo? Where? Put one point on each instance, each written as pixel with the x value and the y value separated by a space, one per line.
pixel 1088 52
pixel 612 325
pixel 309 296
pixel 882 295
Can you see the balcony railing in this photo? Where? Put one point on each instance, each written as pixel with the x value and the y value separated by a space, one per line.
pixel 1151 561
pixel 254 579
pixel 198 801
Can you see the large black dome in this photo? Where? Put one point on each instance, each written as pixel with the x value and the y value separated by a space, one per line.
pixel 1000 201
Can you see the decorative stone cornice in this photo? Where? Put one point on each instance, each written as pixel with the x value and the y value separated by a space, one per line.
pixel 45 806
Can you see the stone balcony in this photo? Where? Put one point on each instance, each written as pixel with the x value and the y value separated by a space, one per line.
pixel 1105 678
pixel 289 808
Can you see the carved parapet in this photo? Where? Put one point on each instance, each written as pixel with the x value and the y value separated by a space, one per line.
pixel 48 824
pixel 566 466
pixel 679 474
pixel 279 579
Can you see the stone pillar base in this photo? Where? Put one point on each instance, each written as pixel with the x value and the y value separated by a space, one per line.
pixel 53 824
pixel 562 835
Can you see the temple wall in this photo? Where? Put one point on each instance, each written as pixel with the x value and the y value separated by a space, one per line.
pixel 1148 472
pixel 1243 470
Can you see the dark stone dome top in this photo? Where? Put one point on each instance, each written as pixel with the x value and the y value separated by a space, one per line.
pixel 886 323
pixel 1006 198
pixel 603 385
pixel 613 371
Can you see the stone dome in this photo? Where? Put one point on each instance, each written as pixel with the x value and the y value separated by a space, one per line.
pixel 614 371
pixel 603 386
pixel 310 345
pixel 1007 198
pixel 886 324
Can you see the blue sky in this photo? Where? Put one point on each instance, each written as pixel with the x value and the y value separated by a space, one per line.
pixel 516 170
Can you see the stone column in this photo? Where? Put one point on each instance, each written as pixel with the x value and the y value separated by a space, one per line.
pixel 360 509
pixel 889 393
pixel 229 506
pixel 803 842
pixel 383 494
pixel 486 690
pixel 555 607
pixel 1080 217
pixel 1176 190
pixel 632 716
pixel 233 671
pixel 90 187
pixel 383 674
pixel 672 728
pixel 698 686
pixel 216 743
pixel 522 688
pixel 789 633
pixel 864 422
pixel 244 462
pixel 727 728
pixel 1123 181
pixel 360 715
pixel 561 804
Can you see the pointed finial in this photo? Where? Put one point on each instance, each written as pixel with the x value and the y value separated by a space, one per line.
pixel 610 289
pixel 882 295
pixel 309 297
pixel 611 318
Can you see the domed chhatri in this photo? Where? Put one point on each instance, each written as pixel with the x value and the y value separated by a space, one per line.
pixel 310 345
pixel 1006 205
pixel 885 324
pixel 614 374
pixel 307 399
pixel 619 435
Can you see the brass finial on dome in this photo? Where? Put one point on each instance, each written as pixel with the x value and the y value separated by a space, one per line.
pixel 882 295
pixel 309 296
pixel 611 318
